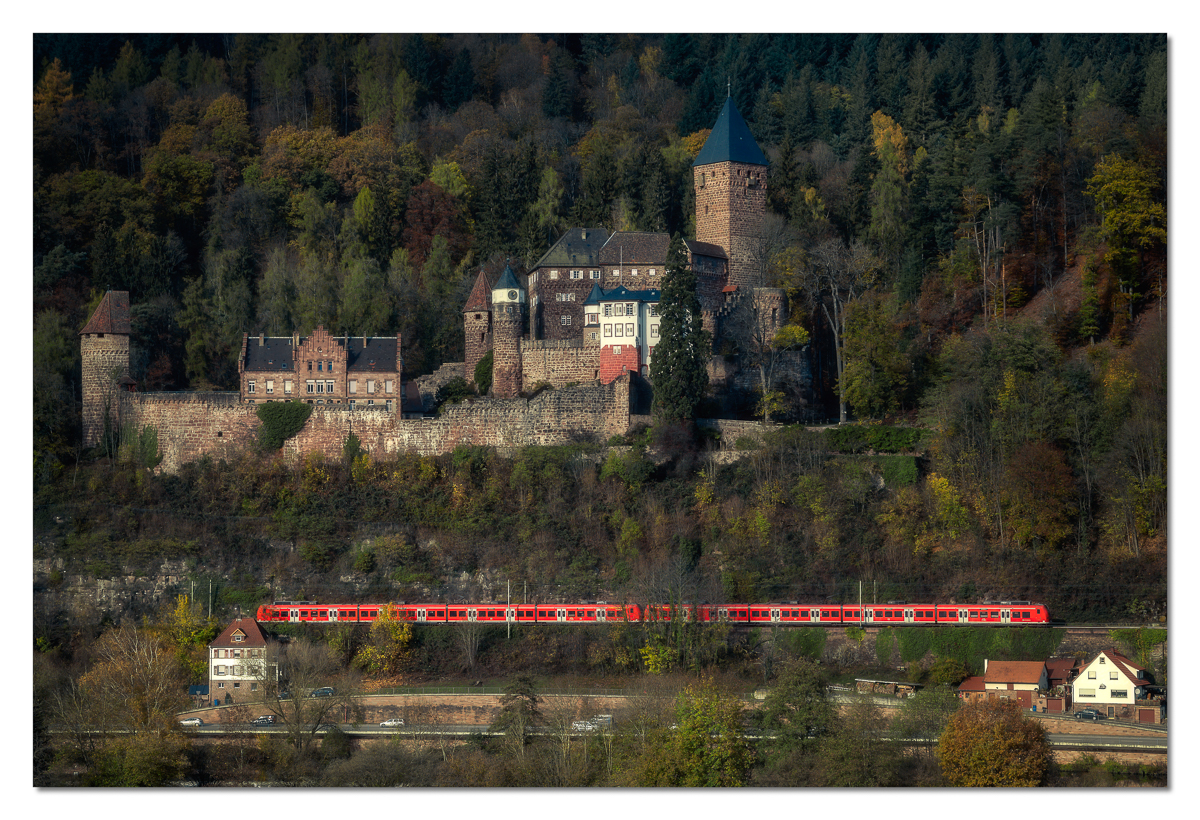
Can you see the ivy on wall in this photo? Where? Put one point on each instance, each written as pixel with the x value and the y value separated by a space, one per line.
pixel 281 421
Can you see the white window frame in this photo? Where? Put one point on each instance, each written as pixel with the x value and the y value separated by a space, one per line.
pixel 389 386
pixel 287 387
pixel 270 386
pixel 619 330
pixel 354 385
pixel 311 385
pixel 595 274
pixel 250 385
pixel 564 320
pixel 607 331
pixel 370 385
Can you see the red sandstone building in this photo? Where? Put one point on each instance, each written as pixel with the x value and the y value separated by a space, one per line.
pixel 358 372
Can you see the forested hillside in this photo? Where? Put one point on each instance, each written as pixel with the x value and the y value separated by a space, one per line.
pixel 971 228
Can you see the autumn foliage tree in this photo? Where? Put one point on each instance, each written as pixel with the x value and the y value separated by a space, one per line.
pixel 990 743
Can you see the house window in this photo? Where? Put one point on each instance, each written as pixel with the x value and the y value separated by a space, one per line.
pixel 221 685
pixel 310 367
pixel 653 331
pixel 630 310
pixel 1112 675
pixel 629 329
pixel 320 387
pixel 390 385
pixel 329 367
pixel 287 386
pixel 253 687
pixel 353 386
pixel 620 330
pixel 607 330
pixel 250 386
pixel 608 310
pixel 311 385
pixel 592 319
pixel 270 386
pixel 1119 693
pixel 1087 693
pixel 654 309
pixel 617 350
pixel 328 387
pixel 370 385
pixel 319 366
pixel 618 310
pixel 592 336
pixel 1091 675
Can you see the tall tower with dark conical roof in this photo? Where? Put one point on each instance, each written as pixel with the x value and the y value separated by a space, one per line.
pixel 477 324
pixel 508 324
pixel 730 178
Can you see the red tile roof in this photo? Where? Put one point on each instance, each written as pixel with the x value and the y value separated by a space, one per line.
pixel 971 684
pixel 1014 671
pixel 1132 670
pixel 481 295
pixel 111 316
pixel 249 627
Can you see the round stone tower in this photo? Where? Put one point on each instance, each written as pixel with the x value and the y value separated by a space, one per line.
pixel 104 354
pixel 508 325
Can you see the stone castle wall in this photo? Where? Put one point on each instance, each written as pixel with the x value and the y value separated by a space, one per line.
pixel 190 426
pixel 558 362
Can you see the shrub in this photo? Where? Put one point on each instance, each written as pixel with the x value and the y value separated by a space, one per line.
pixel 483 374
pixel 281 421
pixel 898 471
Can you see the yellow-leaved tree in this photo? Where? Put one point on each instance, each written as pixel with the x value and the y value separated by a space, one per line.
pixel 387 648
pixel 990 743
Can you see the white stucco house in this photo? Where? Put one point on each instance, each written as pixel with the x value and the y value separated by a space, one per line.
pixel 1110 682
pixel 239 662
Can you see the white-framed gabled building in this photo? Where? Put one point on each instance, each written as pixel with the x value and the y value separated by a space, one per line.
pixel 239 662
pixel 1110 682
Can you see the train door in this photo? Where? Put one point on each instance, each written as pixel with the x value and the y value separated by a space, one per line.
pixel 908 616
pixel 601 613
pixel 722 613
pixel 1005 616
pixel 868 615
pixel 294 617
pixel 420 616
pixel 471 614
pixel 774 614
pixel 962 616
pixel 562 615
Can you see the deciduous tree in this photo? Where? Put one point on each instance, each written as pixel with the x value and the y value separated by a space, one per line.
pixel 990 743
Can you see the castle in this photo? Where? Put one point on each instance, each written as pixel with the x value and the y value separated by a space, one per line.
pixel 584 320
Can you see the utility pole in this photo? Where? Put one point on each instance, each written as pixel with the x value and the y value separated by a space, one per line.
pixel 508 611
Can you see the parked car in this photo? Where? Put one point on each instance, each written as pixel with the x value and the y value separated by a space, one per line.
pixel 393 722
pixel 1088 714
pixel 192 721
pixel 583 726
pixel 264 720
pixel 323 692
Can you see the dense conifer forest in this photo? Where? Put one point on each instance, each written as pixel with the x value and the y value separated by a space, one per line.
pixel 971 230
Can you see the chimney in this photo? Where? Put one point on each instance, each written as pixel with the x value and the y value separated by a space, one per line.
pixel 260 339
pixel 364 342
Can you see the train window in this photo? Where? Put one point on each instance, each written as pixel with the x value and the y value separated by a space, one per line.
pixel 974 613
pixel 304 613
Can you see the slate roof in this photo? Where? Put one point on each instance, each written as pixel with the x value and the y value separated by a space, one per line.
pixel 730 140
pixel 595 296
pixel 254 634
pixel 628 248
pixel 275 354
pixel 111 316
pixel 705 249
pixel 507 281
pixel 624 294
pixel 578 247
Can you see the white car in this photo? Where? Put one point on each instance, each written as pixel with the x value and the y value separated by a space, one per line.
pixel 192 721
pixel 393 722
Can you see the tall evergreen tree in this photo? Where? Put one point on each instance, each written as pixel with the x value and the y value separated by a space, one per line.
pixel 679 367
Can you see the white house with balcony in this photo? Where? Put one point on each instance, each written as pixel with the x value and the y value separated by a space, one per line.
pixel 240 662
pixel 1110 682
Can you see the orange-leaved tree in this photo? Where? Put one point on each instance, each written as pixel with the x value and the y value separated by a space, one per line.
pixel 990 743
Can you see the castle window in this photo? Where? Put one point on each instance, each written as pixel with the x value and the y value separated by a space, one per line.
pixel 592 336
pixel 328 387
pixel 653 331
pixel 310 384
pixel 618 310
pixel 353 386
pixel 653 272
pixel 608 310
pixel 250 386
pixel 630 310
pixel 566 320
pixel 607 330
pixel 701 179
pixel 553 274
pixel 320 387
pixel 620 330
pixel 633 272
pixel 390 386
pixel 576 274
pixel 370 387
pixel 592 319
pixel 319 366
pixel 270 386
pixel 329 367
pixel 595 274
pixel 654 308
pixel 617 350
pixel 310 367
pixel 629 329
pixel 287 386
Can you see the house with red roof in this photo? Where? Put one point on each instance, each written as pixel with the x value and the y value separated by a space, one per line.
pixel 1111 683
pixel 240 662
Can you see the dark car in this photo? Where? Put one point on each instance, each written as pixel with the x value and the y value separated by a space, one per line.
pixel 323 692
pixel 264 720
pixel 1088 714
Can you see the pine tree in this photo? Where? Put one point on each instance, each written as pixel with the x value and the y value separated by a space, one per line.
pixel 679 366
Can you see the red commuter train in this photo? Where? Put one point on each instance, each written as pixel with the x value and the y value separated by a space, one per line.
pixel 898 613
